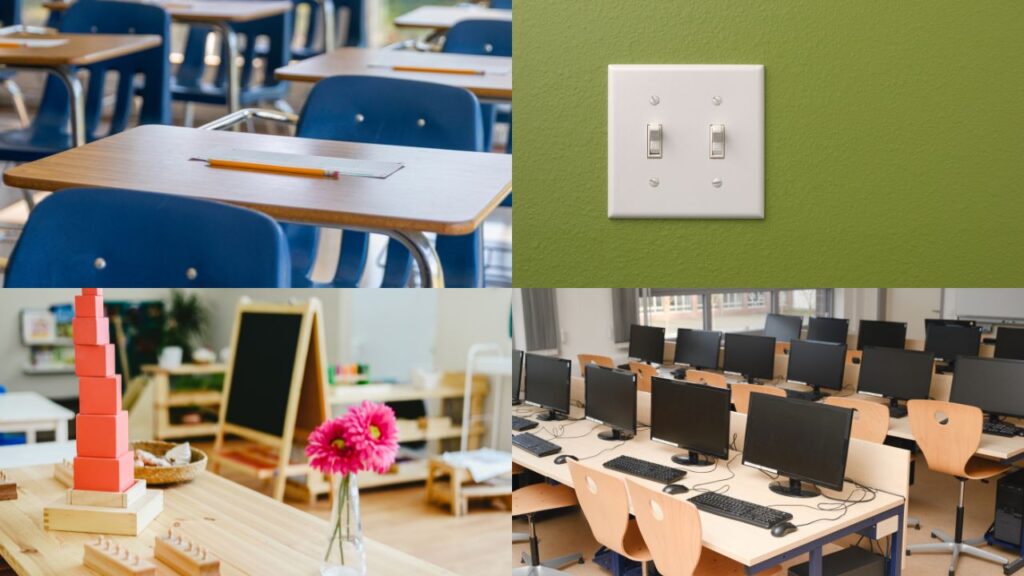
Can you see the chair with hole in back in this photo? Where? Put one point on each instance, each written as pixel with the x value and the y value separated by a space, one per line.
pixel 108 237
pixel 587 359
pixel 704 377
pixel 10 15
pixel 870 419
pixel 948 435
pixel 741 394
pixel 643 372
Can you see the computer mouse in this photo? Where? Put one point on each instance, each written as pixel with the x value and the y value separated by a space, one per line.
pixel 780 530
pixel 675 489
pixel 563 457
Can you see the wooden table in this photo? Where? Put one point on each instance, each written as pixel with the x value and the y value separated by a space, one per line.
pixel 249 532
pixel 494 83
pixel 30 412
pixel 444 17
pixel 79 50
pixel 442 191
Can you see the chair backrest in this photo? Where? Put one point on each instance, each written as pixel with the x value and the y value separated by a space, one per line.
pixel 741 394
pixel 108 237
pixel 947 433
pixel 643 375
pixel 852 355
pixel 585 359
pixel 502 4
pixel 782 347
pixel 605 504
pixel 710 378
pixel 670 527
pixel 870 419
pixel 479 37
pixel 10 12
pixel 278 33
pixel 314 19
pixel 108 17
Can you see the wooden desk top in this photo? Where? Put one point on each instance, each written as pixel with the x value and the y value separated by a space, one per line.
pixel 495 82
pixel 442 191
pixel 79 50
pixel 444 17
pixel 249 532
pixel 208 11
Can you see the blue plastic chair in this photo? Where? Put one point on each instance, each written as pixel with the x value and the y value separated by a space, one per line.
pixel 502 4
pixel 49 131
pixel 354 36
pixel 9 438
pixel 187 84
pixel 388 111
pixel 109 237
pixel 482 38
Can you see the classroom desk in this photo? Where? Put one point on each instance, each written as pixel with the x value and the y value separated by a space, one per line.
pixel 30 412
pixel 61 61
pixel 494 83
pixel 444 17
pixel 443 191
pixel 219 14
pixel 248 532
pixel 753 547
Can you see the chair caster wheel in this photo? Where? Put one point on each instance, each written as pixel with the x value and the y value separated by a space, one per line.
pixel 581 561
pixel 909 552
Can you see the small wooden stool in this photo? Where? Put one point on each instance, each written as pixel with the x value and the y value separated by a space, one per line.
pixel 454 486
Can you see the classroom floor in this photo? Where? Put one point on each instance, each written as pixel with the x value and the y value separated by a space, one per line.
pixel 933 502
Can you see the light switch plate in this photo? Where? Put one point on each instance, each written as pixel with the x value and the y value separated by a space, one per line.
pixel 686 182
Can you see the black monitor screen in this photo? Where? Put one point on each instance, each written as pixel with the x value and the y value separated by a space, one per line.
pixel 893 373
pixel 881 333
pixel 517 373
pixel 752 356
pixel 818 364
pixel 928 322
pixel 950 341
pixel 783 328
pixel 647 343
pixel 611 397
pixel 1010 343
pixel 802 440
pixel 996 385
pixel 828 329
pixel 691 416
pixel 698 348
pixel 547 382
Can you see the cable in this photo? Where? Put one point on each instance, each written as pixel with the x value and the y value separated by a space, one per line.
pixel 724 489
pixel 619 444
pixel 842 505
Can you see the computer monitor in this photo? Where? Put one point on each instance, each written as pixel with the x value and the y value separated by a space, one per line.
pixel 547 385
pixel 806 442
pixel 881 333
pixel 948 322
pixel 783 328
pixel 611 400
pixel 996 385
pixel 1009 343
pixel 517 376
pixel 750 356
pixel 828 329
pixel 698 348
pixel 896 374
pixel 694 417
pixel 647 343
pixel 949 341
pixel 817 364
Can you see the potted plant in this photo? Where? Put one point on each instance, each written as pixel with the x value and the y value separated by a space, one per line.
pixel 187 321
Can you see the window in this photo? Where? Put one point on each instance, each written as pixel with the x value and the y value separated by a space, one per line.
pixel 805 302
pixel 674 311
pixel 731 310
pixel 739 311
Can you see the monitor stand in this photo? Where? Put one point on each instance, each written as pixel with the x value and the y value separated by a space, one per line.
pixel 615 434
pixel 692 459
pixel 794 488
pixel 895 410
pixel 551 415
pixel 516 402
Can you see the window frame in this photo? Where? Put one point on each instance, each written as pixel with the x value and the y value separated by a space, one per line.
pixel 701 298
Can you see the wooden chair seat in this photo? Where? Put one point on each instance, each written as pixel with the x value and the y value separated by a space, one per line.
pixel 978 468
pixel 741 394
pixel 714 564
pixel 584 359
pixel 540 497
pixel 633 545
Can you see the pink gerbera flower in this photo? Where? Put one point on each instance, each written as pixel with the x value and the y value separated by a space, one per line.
pixel 328 451
pixel 371 432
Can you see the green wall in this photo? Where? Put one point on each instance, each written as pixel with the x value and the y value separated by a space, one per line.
pixel 894 143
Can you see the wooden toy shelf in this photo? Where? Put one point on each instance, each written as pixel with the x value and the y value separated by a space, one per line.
pixel 165 397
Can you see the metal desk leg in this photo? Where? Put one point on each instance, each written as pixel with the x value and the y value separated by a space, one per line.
pixel 234 74
pixel 424 254
pixel 77 99
pixel 896 547
pixel 330 25
pixel 814 566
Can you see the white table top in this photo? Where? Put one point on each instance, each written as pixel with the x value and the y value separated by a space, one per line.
pixel 444 17
pixel 22 455
pixel 30 407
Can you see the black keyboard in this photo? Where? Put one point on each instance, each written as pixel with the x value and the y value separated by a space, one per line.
pixel 808 396
pixel 1001 429
pixel 537 446
pixel 722 505
pixel 644 469
pixel 897 411
pixel 521 424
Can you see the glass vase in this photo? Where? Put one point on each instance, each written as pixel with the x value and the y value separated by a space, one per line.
pixel 345 554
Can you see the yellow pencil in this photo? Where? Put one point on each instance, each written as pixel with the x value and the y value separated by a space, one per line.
pixel 465 71
pixel 272 168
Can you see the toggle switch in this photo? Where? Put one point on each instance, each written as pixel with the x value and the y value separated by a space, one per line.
pixel 654 140
pixel 717 141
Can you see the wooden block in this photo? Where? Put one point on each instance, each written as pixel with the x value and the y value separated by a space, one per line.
pixel 8 488
pixel 99 395
pixel 85 330
pixel 184 556
pixel 105 474
pixel 108 499
pixel 128 521
pixel 110 559
pixel 64 473
pixel 102 435
pixel 92 291
pixel 89 306
pixel 94 360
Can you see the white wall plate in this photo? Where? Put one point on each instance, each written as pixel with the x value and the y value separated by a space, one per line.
pixel 693 177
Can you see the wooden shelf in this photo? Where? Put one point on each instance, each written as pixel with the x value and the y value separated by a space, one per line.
pixel 185 369
pixel 410 471
pixel 353 394
pixel 30 369
pixel 194 398
pixel 189 430
pixel 165 398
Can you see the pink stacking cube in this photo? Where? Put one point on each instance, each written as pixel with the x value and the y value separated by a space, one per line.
pixel 99 395
pixel 88 306
pixel 105 474
pixel 92 291
pixel 94 360
pixel 102 435
pixel 91 331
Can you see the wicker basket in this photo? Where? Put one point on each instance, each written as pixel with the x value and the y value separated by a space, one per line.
pixel 157 475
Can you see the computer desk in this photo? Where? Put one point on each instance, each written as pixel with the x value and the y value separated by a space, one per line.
pixel 441 18
pixel 881 467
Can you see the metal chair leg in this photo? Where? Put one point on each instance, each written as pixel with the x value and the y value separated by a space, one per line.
pixel 19 101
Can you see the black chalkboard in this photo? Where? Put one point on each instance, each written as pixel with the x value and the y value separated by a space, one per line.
pixel 261 370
